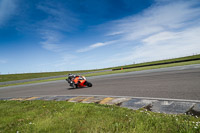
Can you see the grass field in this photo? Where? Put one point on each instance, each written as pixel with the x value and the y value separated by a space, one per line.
pixel 13 77
pixel 112 72
pixel 145 68
pixel 160 61
pixel 63 117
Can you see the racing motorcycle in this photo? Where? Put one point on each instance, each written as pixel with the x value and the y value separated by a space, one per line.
pixel 78 81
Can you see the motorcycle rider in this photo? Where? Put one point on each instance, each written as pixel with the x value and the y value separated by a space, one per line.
pixel 70 77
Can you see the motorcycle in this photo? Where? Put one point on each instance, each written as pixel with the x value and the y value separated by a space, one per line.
pixel 78 81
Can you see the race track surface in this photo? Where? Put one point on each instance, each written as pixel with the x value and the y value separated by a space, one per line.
pixel 175 83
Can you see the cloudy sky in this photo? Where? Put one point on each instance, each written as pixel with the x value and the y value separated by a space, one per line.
pixel 61 35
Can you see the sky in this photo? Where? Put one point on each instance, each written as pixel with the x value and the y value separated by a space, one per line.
pixel 65 35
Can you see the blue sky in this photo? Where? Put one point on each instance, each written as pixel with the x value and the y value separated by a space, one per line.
pixel 62 35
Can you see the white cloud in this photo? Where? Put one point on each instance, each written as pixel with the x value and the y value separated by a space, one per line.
pixel 7 9
pixel 162 36
pixel 51 40
pixel 59 20
pixel 162 31
pixel 96 45
pixel 172 16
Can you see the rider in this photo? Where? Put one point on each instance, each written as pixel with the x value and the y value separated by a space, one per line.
pixel 70 77
pixel 73 77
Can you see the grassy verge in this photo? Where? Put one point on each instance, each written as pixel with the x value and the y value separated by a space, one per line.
pixel 113 72
pixel 62 116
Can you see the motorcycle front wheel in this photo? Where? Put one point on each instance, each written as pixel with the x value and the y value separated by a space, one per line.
pixel 89 84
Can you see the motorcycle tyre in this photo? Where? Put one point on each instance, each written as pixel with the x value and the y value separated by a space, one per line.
pixel 89 84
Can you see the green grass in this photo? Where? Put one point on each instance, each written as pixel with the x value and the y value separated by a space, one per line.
pixel 63 117
pixel 32 82
pixel 112 72
pixel 145 68
pixel 13 77
pixel 160 61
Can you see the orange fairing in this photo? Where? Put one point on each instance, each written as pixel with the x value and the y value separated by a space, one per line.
pixel 80 81
pixel 76 79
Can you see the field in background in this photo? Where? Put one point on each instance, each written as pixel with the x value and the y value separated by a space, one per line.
pixel 145 68
pixel 161 62
pixel 13 77
pixel 142 66
pixel 62 116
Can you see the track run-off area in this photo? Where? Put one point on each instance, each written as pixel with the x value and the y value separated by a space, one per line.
pixel 182 82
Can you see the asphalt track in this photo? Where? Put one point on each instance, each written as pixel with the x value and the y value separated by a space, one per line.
pixel 174 83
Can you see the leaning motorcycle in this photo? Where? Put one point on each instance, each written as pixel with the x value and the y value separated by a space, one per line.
pixel 78 82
